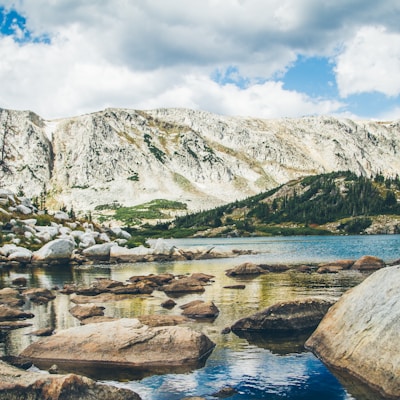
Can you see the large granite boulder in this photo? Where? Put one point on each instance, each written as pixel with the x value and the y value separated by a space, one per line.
pixel 286 317
pixel 360 333
pixel 16 384
pixel 59 250
pixel 123 343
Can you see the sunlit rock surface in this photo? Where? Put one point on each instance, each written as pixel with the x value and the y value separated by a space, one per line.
pixel 360 333
pixel 192 156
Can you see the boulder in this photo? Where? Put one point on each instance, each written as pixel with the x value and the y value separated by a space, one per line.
pixel 20 281
pixel 87 240
pixel 120 233
pixel 162 320
pixel 11 297
pixel 21 255
pixel 335 266
pixel 200 309
pixel 10 314
pixel 123 343
pixel 98 251
pixel 184 285
pixel 168 304
pixel 245 269
pixel 86 311
pixel 39 295
pixel 368 263
pixel 23 209
pixel 200 276
pixel 286 317
pixel 16 384
pixel 59 250
pixel 118 253
pixel 359 334
pixel 158 280
pixel 61 216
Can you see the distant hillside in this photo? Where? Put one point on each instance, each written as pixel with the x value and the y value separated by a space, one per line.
pixel 201 160
pixel 338 202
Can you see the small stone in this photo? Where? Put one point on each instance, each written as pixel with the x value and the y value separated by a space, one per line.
pixel 53 369
pixel 168 304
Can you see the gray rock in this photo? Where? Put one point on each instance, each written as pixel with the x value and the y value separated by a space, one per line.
pixel 22 255
pixel 55 250
pixel 61 216
pixel 286 317
pixel 23 209
pixel 359 334
pixel 99 251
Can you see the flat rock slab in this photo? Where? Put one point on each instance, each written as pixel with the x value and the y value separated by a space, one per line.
pixel 286 317
pixel 123 343
pixel 18 384
pixel 11 314
pixel 360 333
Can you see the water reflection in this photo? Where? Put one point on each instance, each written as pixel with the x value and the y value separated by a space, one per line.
pixel 256 367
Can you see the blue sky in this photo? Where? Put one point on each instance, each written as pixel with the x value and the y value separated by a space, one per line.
pixel 273 59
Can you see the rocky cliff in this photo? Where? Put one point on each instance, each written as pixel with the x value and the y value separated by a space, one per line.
pixel 202 159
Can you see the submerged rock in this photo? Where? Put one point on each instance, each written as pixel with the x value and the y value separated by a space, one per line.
pixel 359 334
pixel 18 384
pixel 184 285
pixel 286 317
pixel 123 343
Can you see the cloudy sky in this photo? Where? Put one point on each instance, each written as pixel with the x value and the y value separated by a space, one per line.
pixel 261 58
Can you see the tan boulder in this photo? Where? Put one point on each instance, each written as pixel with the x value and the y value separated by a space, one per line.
pixel 245 269
pixel 368 263
pixel 86 311
pixel 200 309
pixel 184 285
pixel 18 384
pixel 123 343
pixel 10 314
pixel 360 333
pixel 11 297
pixel 335 266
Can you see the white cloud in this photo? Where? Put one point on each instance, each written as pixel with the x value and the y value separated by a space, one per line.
pixel 370 62
pixel 154 53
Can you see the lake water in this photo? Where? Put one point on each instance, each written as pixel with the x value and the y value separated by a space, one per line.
pixel 256 369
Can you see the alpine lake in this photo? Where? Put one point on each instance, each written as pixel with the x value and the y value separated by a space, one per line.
pixel 257 367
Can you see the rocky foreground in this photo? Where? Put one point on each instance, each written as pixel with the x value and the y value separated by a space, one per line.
pixel 17 384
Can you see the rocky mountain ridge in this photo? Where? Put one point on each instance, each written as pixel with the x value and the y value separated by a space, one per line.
pixel 199 158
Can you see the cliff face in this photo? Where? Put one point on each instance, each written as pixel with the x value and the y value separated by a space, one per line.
pixel 195 157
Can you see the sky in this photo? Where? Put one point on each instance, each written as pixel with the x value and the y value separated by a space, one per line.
pixel 258 58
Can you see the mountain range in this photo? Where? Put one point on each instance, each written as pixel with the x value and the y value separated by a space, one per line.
pixel 129 157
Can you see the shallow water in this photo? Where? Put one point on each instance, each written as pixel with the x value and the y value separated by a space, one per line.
pixel 257 369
